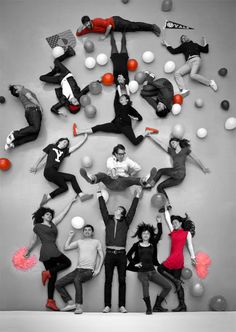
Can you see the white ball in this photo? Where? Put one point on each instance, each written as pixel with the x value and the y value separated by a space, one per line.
pixel 87 162
pixel 169 67
pixel 176 109
pixel 199 103
pixel 57 51
pixel 230 123
pixel 148 57
pixel 105 195
pixel 77 222
pixel 201 132
pixel 178 131
pixel 133 86
pixel 102 59
pixel 90 62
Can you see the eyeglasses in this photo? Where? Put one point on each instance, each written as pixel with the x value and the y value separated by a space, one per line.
pixel 121 154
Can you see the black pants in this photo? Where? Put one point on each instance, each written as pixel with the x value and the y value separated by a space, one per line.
pixel 117 184
pixel 175 178
pixel 114 48
pixel 149 93
pixel 118 129
pixel 33 116
pixel 120 261
pixel 129 26
pixel 54 265
pixel 60 179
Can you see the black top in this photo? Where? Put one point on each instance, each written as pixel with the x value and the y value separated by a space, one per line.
pixel 188 49
pixel 179 158
pixel 116 233
pixel 55 155
pixel 122 112
pixel 133 254
pixel 165 92
pixel 119 61
pixel 145 255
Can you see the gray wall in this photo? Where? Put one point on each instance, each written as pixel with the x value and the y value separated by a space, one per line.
pixel 209 199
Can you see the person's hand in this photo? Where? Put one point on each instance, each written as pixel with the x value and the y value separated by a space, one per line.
pixel 27 254
pixel 96 272
pixel 164 43
pixel 62 113
pixel 71 233
pixel 33 169
pixel 138 265
pixel 206 170
pixel 204 41
pixel 158 219
pixel 138 192
pixel 193 261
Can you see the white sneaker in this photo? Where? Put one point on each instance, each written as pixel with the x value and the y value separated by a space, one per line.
pixel 69 307
pixel 106 310
pixel 123 310
pixel 10 138
pixel 78 310
pixel 8 147
pixel 152 75
pixel 185 92
pixel 213 85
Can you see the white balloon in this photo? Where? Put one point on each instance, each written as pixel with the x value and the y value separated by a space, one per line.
pixel 178 131
pixel 77 222
pixel 199 103
pixel 102 59
pixel 169 67
pixel 201 132
pixel 57 51
pixel 105 194
pixel 176 109
pixel 133 86
pixel 87 162
pixel 148 57
pixel 90 62
pixel 230 123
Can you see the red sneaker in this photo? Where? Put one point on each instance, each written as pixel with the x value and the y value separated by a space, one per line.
pixel 45 276
pixel 51 304
pixel 74 129
pixel 152 130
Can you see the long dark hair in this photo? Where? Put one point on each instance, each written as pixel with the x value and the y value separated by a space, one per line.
pixel 13 91
pixel 186 223
pixel 184 143
pixel 143 228
pixel 128 98
pixel 63 139
pixel 38 215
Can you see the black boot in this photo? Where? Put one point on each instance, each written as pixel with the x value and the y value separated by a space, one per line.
pixel 148 305
pixel 157 306
pixel 182 306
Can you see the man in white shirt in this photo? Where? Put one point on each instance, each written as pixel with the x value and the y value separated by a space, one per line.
pixel 121 172
pixel 88 267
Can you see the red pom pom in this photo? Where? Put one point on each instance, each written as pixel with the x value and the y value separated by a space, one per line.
pixel 203 261
pixel 22 263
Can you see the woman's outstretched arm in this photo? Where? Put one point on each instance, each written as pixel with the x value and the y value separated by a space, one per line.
pixel 78 145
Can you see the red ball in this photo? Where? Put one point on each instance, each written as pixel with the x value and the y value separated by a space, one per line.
pixel 5 164
pixel 178 99
pixel 108 79
pixel 132 64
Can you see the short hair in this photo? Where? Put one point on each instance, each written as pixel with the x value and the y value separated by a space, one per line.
pixel 13 91
pixel 85 19
pixel 88 226
pixel 123 213
pixel 184 143
pixel 162 113
pixel 63 139
pixel 187 223
pixel 118 147
pixel 38 215
pixel 143 228
pixel 181 38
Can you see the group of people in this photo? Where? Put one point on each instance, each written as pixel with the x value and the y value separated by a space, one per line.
pixel 121 173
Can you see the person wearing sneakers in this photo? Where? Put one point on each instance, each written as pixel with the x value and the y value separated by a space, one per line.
pixel 179 150
pixel 117 227
pixel 33 115
pixel 45 229
pixel 192 56
pixel 90 261
pixel 182 230
pixel 143 259
pixel 69 93
pixel 122 122
pixel 55 154
pixel 114 23
pixel 159 94
pixel 121 172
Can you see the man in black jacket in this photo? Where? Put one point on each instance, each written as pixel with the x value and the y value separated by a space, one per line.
pixel 69 93
pixel 117 227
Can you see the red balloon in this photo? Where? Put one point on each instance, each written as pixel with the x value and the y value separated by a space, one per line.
pixel 5 164
pixel 178 99
pixel 108 79
pixel 132 64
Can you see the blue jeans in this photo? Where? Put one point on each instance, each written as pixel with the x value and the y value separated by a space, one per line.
pixel 155 277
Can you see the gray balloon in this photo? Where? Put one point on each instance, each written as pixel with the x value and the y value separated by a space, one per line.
pixel 140 77
pixel 218 303
pixel 95 88
pixel 88 46
pixel 90 111
pixel 85 100
pixel 197 289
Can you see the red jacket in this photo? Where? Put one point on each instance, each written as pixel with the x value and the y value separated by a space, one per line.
pixel 99 26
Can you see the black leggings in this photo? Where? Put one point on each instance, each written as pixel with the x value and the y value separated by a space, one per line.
pixel 175 178
pixel 148 93
pixel 129 26
pixel 117 129
pixel 123 44
pixel 60 179
pixel 54 265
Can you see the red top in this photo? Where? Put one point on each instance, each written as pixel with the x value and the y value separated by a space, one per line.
pixel 99 26
pixel 176 259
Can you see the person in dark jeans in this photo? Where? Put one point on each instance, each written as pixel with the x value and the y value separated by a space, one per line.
pixel 33 115
pixel 117 227
pixel 45 229
pixel 115 23
pixel 69 93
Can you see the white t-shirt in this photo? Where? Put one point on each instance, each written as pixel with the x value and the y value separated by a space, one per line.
pixel 123 168
pixel 66 89
pixel 87 252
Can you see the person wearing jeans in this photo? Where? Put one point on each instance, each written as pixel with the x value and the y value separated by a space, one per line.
pixel 89 250
pixel 33 115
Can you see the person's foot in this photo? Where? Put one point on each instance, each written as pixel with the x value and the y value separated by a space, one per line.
pixel 86 176
pixel 78 310
pixel 149 76
pixel 150 180
pixel 45 276
pixel 51 304
pixel 69 307
pixel 44 200
pixel 10 138
pixel 123 310
pixel 213 85
pixel 184 92
pixel 8 147
pixel 151 130
pixel 106 310
pixel 85 197
pixel 70 50
pixel 75 129
pixel 169 207
pixel 156 30
pixel 162 209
